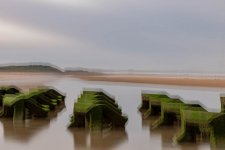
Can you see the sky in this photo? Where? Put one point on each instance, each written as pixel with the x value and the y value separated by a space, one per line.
pixel 155 35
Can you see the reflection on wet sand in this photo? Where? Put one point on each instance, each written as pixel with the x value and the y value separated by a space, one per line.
pixel 195 124
pixel 84 139
pixel 23 131
pixel 28 80
pixel 50 133
pixel 167 133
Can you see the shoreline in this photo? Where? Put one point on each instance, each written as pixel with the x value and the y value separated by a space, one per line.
pixel 202 81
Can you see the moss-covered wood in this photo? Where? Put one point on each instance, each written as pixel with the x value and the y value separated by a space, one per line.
pixel 163 105
pixel 198 121
pixel 217 131
pixel 97 110
pixel 195 121
pixel 202 123
pixel 151 103
pixel 36 103
pixel 7 90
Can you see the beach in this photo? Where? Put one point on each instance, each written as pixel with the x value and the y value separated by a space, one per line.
pixel 205 81
pixel 38 78
pixel 26 80
pixel 138 134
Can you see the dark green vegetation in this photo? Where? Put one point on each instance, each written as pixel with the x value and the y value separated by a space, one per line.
pixel 7 90
pixel 97 110
pixel 48 68
pixel 195 121
pixel 30 68
pixel 35 103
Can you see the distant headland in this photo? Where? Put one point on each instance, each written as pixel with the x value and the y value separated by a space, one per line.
pixel 204 80
pixel 44 68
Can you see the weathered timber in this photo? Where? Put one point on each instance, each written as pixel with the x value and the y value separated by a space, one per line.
pixel 97 110
pixel 7 90
pixel 195 121
pixel 36 102
pixel 205 124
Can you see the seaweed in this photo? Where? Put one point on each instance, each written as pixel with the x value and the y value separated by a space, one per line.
pixel 194 120
pixel 36 103
pixel 8 90
pixel 97 110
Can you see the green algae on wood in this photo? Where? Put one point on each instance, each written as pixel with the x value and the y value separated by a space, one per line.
pixel 194 119
pixel 170 111
pixel 36 102
pixel 151 103
pixel 217 131
pixel 162 104
pixel 207 124
pixel 7 90
pixel 97 110
pixel 194 122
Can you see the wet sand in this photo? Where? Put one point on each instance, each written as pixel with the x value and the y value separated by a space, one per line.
pixel 52 132
pixel 38 78
pixel 157 79
pixel 26 80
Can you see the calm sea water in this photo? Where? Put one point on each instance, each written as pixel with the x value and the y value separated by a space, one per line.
pixel 52 133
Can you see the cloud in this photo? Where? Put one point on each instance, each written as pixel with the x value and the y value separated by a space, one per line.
pixel 68 3
pixel 150 35
pixel 16 35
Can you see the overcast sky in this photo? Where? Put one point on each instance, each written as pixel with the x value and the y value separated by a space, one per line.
pixel 159 35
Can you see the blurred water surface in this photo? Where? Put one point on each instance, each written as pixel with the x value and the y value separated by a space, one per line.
pixel 52 133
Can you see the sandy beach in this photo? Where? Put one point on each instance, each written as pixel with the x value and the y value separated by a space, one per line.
pixel 205 81
pixel 41 77
pixel 26 80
